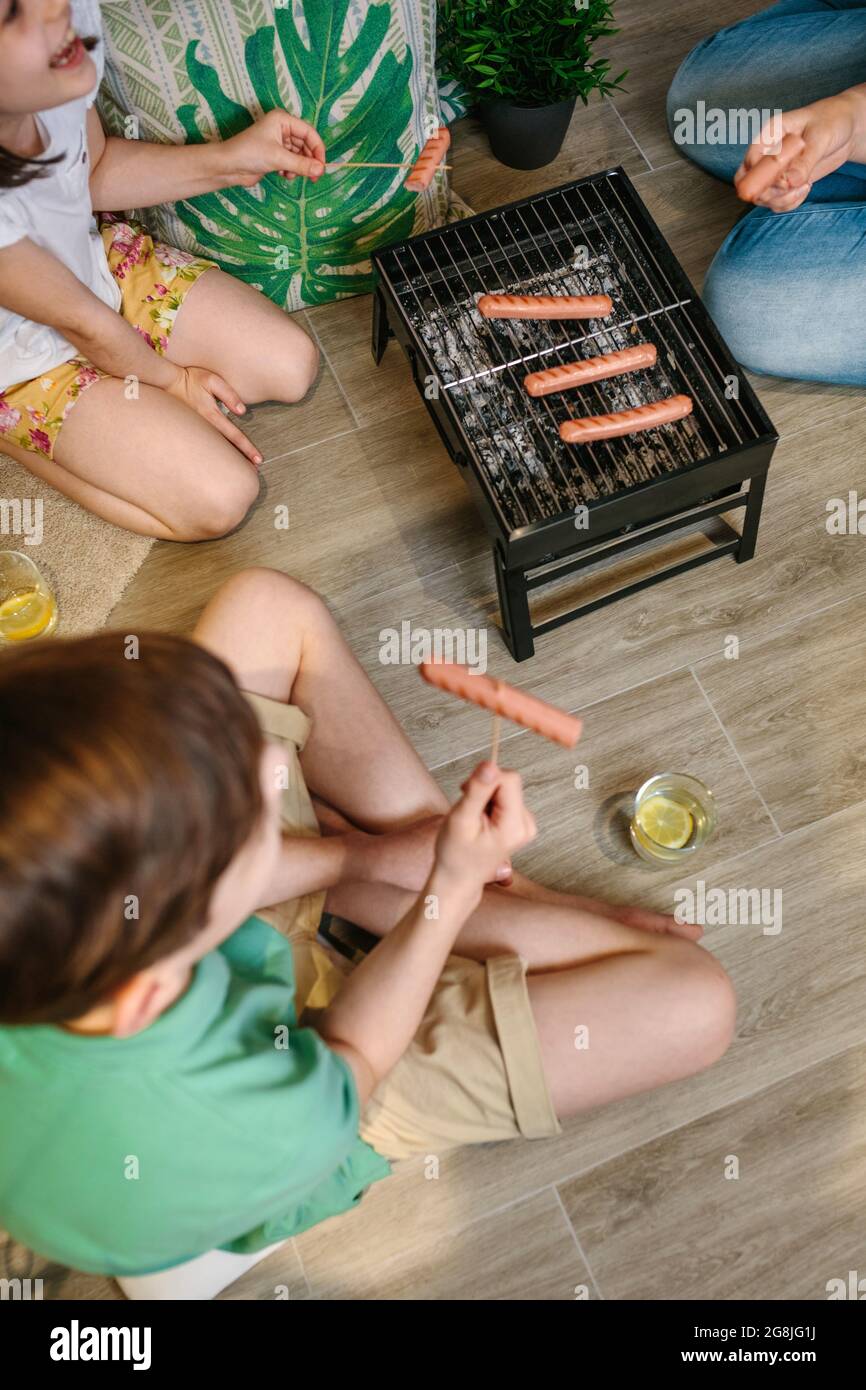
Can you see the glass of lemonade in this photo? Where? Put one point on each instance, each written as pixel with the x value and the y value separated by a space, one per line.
pixel 674 815
pixel 28 608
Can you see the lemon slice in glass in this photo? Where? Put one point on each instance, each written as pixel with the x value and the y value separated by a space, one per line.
pixel 665 822
pixel 25 615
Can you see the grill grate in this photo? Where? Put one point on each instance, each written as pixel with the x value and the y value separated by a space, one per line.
pixel 582 239
pixel 593 236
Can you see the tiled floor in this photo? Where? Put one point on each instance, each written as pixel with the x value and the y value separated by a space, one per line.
pixel 631 1201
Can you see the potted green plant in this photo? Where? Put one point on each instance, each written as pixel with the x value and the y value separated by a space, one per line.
pixel 525 63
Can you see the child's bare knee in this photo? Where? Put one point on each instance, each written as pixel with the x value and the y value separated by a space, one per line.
pixel 306 359
pixel 221 510
pixel 277 594
pixel 708 1008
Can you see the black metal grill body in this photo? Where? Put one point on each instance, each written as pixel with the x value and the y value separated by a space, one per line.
pixel 551 508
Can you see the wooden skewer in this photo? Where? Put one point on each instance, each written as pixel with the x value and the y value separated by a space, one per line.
pixel 494 739
pixel 494 744
pixel 362 164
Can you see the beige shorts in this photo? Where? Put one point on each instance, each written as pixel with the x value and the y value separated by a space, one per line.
pixel 473 1072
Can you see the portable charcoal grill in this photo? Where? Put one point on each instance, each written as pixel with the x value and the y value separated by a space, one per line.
pixel 552 508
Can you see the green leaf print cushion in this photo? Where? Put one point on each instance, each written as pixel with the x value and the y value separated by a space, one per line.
pixel 363 74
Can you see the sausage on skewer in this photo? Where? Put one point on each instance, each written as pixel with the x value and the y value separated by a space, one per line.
pixel 504 700
pixel 421 174
pixel 630 359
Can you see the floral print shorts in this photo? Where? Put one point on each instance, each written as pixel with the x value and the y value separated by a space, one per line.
pixel 153 280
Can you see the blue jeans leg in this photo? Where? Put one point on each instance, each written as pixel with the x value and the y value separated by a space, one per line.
pixel 788 292
pixel 793 53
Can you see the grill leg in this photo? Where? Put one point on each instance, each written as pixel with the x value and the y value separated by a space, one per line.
pixel 514 605
pixel 751 518
pixel 381 331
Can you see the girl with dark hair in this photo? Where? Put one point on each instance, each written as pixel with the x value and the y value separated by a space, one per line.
pixel 133 334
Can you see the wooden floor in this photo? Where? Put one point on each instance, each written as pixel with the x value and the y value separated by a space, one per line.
pixel 631 1201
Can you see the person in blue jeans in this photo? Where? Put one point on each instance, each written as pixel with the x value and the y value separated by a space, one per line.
pixel 787 287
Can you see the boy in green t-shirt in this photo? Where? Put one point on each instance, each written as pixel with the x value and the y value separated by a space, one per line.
pixel 176 1074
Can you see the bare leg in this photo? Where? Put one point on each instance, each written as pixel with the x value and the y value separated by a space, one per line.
pixel 548 936
pixel 357 758
pixel 650 1017
pixel 150 465
pixel 655 1008
pixel 234 330
pixel 646 919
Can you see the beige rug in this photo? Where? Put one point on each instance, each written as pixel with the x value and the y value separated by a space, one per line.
pixel 87 562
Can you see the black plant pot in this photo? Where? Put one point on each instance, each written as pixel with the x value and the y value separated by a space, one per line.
pixel 526 137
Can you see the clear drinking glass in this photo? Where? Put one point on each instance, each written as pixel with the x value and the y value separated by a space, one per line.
pixel 674 815
pixel 28 608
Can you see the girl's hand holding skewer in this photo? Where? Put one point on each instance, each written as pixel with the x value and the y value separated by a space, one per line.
pixel 277 144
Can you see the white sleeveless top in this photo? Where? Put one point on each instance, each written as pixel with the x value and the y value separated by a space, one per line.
pixel 55 212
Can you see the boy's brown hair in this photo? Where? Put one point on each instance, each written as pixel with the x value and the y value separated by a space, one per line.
pixel 127 786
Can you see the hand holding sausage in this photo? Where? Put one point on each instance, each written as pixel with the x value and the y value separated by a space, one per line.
pixel 484 828
pixel 802 146
pixel 277 143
